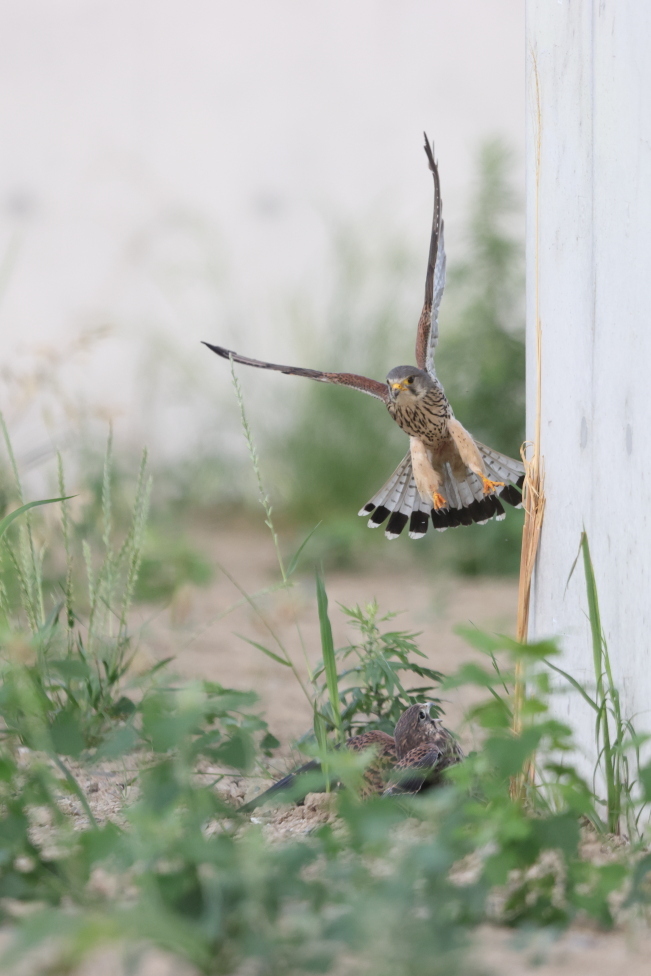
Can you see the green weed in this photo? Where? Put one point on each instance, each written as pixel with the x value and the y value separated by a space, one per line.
pixel 368 676
pixel 615 737
pixel 392 889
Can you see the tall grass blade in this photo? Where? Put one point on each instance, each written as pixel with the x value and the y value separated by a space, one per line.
pixel 8 519
pixel 328 652
pixel 253 454
pixel 26 548
pixel 265 650
pixel 600 664
pixel 67 545
pixel 297 555
pixel 107 572
pixel 256 609
pixel 575 684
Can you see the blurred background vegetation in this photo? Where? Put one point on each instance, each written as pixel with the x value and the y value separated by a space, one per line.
pixel 324 450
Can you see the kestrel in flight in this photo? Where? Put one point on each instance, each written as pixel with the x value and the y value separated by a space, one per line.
pixel 447 473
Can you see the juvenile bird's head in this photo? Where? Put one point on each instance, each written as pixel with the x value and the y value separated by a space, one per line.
pixel 408 383
pixel 416 726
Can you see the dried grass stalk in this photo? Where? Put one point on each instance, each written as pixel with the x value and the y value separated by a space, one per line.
pixel 534 482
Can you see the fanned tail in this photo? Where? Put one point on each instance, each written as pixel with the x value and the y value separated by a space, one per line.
pixel 399 501
pixel 503 468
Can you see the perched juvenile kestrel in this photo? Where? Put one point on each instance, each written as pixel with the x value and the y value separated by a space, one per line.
pixel 411 760
pixel 447 473
pixel 425 750
pixel 375 775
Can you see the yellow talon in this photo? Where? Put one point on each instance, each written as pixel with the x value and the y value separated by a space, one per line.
pixel 439 501
pixel 490 486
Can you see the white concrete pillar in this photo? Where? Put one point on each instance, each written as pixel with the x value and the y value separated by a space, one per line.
pixel 589 281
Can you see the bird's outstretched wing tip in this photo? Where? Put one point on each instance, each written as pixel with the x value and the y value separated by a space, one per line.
pixel 429 152
pixel 226 353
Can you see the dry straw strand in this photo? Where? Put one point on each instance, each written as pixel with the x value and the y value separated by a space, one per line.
pixel 534 481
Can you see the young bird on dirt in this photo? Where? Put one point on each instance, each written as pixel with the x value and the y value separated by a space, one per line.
pixel 375 775
pixel 447 473
pixel 417 735
pixel 425 750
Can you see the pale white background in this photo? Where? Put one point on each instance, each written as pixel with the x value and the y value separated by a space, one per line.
pixel 173 168
pixel 588 260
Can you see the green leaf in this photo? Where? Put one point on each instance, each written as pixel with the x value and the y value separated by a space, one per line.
pixel 294 563
pixel 486 643
pixel 644 775
pixel 575 684
pixel 119 743
pixel 490 644
pixel 559 832
pixel 265 650
pixel 228 699
pixel 98 845
pixel 328 652
pixel 8 519
pixel 509 753
pixel 320 729
pixel 7 769
pixel 472 674
pixel 156 667
pixel 122 708
pixel 269 742
pixel 67 737
pixel 237 752
pixel 71 668
pixel 160 786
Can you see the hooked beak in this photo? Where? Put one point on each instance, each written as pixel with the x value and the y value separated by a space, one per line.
pixel 397 387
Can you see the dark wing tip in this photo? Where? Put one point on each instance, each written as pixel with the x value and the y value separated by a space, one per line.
pixel 225 353
pixel 429 153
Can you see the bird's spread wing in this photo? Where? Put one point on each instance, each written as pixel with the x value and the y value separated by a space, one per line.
pixel 362 383
pixel 428 324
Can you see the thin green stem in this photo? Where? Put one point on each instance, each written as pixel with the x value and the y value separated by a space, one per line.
pixel 253 454
pixel 65 522
pixel 267 625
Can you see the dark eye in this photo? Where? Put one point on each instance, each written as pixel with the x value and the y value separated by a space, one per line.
pixel 422 714
pixel 410 379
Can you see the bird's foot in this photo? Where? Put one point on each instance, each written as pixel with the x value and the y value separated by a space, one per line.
pixel 439 501
pixel 490 486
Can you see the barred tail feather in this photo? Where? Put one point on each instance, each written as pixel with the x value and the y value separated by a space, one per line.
pixel 398 502
pixel 503 468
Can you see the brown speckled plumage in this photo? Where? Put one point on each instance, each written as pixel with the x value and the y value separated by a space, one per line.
pixel 375 775
pixel 417 735
pixel 427 419
pixel 425 749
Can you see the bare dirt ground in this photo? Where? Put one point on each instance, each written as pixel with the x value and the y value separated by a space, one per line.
pixel 202 636
pixel 200 631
